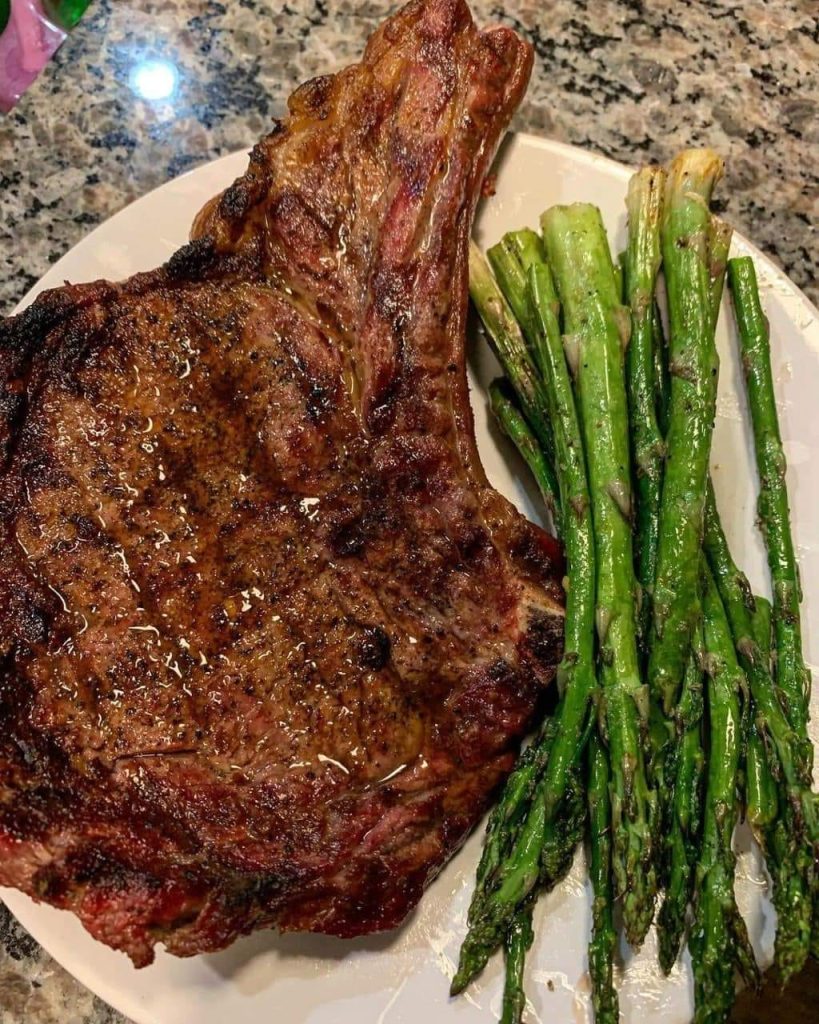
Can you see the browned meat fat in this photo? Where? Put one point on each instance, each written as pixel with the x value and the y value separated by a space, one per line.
pixel 268 637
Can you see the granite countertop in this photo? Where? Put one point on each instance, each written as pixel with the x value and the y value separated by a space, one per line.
pixel 633 80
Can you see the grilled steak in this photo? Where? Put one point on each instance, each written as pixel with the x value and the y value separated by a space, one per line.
pixel 269 638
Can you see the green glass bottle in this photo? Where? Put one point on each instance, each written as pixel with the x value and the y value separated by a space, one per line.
pixel 64 13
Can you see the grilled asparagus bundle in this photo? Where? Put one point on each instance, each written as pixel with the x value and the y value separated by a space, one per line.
pixel 682 698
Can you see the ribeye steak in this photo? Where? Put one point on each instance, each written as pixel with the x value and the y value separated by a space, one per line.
pixel 269 638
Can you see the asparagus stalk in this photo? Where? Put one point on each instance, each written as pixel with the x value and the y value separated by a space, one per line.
pixel 662 377
pixel 510 347
pixel 793 678
pixel 518 941
pixel 762 799
pixel 770 717
pixel 792 869
pixel 683 837
pixel 506 260
pixel 576 674
pixel 543 309
pixel 540 857
pixel 719 941
pixel 604 936
pixel 761 625
pixel 598 329
pixel 787 841
pixel 680 767
pixel 512 422
pixel 562 833
pixel 559 841
pixel 557 846
pixel 507 816
pixel 772 819
pixel 547 838
pixel 641 266
pixel 719 245
pixel 528 247
pixel 694 367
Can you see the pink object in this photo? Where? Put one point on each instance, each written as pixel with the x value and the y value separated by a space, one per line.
pixel 26 46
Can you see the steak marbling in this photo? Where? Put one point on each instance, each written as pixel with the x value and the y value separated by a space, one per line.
pixel 269 637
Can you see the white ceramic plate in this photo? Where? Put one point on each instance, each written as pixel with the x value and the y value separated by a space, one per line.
pixel 403 977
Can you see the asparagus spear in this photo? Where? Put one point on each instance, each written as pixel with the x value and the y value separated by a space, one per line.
pixel 719 245
pixel 694 368
pixel 761 625
pixel 540 857
pixel 719 941
pixel 772 819
pixel 528 247
pixel 518 941
pixel 682 764
pixel 510 347
pixel 665 752
pixel 512 260
pixel 683 835
pixel 788 840
pixel 641 265
pixel 557 846
pixel 562 833
pixel 598 330
pixel 507 816
pixel 736 596
pixel 662 377
pixel 604 937
pixel 513 424
pixel 762 800
pixel 791 866
pixel 546 839
pixel 793 678
pixel 576 674
pixel 506 260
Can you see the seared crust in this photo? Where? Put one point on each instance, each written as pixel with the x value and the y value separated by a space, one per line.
pixel 268 636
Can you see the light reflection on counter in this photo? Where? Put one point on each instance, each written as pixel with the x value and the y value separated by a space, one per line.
pixel 154 80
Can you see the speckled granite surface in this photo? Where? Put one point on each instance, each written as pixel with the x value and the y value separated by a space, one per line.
pixel 633 80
